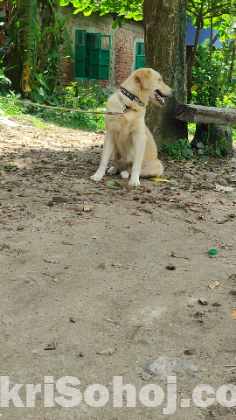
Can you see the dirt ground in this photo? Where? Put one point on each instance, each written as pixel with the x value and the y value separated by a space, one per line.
pixel 87 267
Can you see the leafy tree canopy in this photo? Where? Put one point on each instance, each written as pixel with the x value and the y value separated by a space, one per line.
pixel 220 12
pixel 120 8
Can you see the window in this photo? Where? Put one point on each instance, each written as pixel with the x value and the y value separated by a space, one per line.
pixel 140 61
pixel 92 55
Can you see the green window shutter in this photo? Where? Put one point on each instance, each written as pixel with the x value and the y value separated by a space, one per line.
pixel 80 53
pixel 104 70
pixel 140 61
pixel 95 48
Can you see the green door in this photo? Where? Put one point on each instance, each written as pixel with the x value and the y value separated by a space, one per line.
pixel 104 71
pixel 80 53
pixel 95 48
pixel 140 61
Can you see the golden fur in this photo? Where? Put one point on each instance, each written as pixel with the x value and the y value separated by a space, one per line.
pixel 127 138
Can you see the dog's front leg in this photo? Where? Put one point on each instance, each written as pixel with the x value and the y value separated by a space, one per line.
pixel 139 149
pixel 108 148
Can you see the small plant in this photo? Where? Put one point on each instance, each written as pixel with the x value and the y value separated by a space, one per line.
pixel 179 150
pixel 3 78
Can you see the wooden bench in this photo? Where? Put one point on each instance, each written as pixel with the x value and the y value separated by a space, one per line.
pixel 205 114
pixel 212 124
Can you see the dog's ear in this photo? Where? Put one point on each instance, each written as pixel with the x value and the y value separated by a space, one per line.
pixel 143 77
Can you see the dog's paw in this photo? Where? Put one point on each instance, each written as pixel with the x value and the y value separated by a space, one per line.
pixel 96 177
pixel 134 182
pixel 112 171
pixel 124 175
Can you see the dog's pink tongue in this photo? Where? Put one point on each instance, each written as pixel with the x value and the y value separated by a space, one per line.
pixel 160 99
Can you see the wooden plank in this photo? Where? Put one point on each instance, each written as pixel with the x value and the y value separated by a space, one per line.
pixel 206 114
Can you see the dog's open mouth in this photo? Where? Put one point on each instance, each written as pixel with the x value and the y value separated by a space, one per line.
pixel 159 97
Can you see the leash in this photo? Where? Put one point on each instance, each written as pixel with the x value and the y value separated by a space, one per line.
pixel 58 108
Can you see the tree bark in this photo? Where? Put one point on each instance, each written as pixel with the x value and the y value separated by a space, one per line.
pixel 165 49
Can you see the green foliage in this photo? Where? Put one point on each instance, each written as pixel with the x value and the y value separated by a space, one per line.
pixel 120 8
pixel 75 97
pixel 37 37
pixel 9 107
pixel 208 149
pixel 201 11
pixel 92 99
pixel 179 150
pixel 183 150
pixel 211 75
pixel 216 12
pixel 3 78
pixel 228 100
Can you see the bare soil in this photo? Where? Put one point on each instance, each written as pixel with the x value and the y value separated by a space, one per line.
pixel 88 266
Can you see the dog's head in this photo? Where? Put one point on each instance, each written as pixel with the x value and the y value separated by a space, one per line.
pixel 152 86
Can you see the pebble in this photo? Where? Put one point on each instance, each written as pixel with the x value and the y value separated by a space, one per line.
pixel 209 176
pixel 145 376
pixel 188 177
pixel 58 199
pixel 79 207
pixel 222 181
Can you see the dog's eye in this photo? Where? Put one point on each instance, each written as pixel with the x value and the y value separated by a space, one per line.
pixel 160 79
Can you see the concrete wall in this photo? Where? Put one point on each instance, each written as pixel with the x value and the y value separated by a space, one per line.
pixel 123 47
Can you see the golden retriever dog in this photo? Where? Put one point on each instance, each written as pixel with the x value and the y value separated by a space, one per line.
pixel 128 140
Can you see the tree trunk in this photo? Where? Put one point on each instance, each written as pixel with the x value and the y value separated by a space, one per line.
pixel 165 49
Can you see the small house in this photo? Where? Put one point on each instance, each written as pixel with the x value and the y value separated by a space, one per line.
pixel 101 54
pixel 107 56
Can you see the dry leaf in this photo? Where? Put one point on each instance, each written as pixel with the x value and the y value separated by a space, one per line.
pixel 87 208
pixel 234 314
pixel 117 265
pixel 103 265
pixel 107 352
pixel 51 346
pixel 137 213
pixel 172 254
pixel 214 285
pixel 201 217
pixel 160 180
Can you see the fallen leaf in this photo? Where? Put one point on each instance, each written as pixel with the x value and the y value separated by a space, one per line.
pixel 72 319
pixel 87 208
pixel 234 314
pixel 214 285
pixel 51 346
pixel 160 180
pixel 107 352
pixel 202 302
pixel 103 265
pixel 201 217
pixel 117 265
pixel 137 213
pixel 173 254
